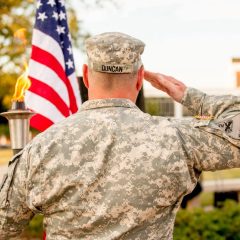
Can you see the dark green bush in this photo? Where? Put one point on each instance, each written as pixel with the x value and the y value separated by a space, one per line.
pixel 218 224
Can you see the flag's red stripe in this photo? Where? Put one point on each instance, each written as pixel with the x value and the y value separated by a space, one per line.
pixel 45 58
pixel 44 235
pixel 40 122
pixel 50 94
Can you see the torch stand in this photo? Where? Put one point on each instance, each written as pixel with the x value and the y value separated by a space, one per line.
pixel 18 118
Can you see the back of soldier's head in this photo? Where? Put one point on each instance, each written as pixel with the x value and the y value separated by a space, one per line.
pixel 113 58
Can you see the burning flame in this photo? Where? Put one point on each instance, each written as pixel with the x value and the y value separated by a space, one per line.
pixel 20 35
pixel 23 83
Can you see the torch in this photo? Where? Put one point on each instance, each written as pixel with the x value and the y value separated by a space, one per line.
pixel 18 116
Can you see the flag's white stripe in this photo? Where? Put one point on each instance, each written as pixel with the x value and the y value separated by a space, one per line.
pixel 43 106
pixel 48 44
pixel 49 77
pixel 75 86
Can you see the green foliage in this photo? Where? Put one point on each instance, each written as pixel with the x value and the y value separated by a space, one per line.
pixel 206 199
pixel 152 106
pixel 163 106
pixel 13 16
pixel 7 81
pixel 218 224
pixel 4 130
pixel 34 229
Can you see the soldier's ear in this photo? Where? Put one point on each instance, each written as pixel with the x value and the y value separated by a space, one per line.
pixel 85 75
pixel 140 75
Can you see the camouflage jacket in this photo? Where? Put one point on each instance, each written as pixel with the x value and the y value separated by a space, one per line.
pixel 113 172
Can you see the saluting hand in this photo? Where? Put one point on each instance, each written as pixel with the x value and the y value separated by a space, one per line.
pixel 174 88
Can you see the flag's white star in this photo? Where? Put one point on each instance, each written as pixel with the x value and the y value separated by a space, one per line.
pixel 62 2
pixel 69 50
pixel 62 15
pixel 51 2
pixel 39 4
pixel 55 15
pixel 42 16
pixel 69 63
pixel 60 29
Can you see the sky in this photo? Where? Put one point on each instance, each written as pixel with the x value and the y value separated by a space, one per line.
pixel 193 41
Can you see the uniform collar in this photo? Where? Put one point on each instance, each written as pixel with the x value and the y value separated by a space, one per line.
pixel 105 103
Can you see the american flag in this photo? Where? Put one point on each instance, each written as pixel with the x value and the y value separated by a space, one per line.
pixel 54 92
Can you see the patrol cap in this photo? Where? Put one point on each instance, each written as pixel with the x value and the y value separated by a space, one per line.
pixel 114 52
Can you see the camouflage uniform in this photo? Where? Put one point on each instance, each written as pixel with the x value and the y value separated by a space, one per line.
pixel 111 171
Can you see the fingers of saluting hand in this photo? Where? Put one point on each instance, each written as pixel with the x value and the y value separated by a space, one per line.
pixel 160 81
pixel 170 85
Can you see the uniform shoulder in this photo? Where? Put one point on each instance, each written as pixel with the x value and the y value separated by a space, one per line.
pixel 159 120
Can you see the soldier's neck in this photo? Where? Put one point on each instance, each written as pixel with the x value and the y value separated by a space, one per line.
pixel 106 95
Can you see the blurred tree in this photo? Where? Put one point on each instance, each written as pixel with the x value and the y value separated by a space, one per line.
pixel 16 14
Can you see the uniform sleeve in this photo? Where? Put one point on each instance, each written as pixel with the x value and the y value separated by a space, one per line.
pixel 202 104
pixel 207 151
pixel 14 213
pixel 206 147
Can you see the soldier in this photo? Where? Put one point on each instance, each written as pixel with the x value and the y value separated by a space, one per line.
pixel 111 171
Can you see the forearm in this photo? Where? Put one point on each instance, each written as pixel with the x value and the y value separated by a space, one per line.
pixel 205 105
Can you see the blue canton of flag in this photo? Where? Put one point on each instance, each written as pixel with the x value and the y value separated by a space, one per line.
pixel 52 20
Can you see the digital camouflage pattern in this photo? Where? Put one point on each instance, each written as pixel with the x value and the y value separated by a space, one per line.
pixel 113 172
pixel 114 52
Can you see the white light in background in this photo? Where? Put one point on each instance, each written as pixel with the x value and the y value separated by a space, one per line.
pixel 193 41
